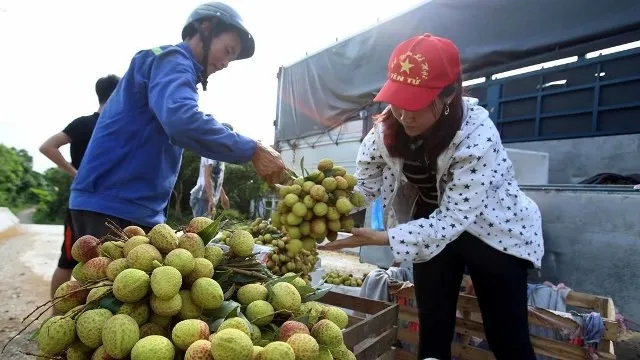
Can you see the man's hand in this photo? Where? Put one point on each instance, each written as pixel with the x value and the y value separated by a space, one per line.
pixel 211 208
pixel 268 164
pixel 224 200
pixel 359 237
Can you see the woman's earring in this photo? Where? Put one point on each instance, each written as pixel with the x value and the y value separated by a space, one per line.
pixel 446 109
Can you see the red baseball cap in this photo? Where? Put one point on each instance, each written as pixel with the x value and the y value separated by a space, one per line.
pixel 418 70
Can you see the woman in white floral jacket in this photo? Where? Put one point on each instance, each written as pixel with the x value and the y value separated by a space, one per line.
pixel 449 192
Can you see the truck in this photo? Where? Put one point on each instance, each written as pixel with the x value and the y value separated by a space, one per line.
pixel 560 78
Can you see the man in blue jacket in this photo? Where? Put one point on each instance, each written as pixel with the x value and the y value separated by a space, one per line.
pixel 133 158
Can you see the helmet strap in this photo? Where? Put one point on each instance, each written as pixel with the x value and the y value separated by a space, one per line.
pixel 206 46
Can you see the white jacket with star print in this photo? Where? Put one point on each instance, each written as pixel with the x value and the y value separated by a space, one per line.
pixel 477 192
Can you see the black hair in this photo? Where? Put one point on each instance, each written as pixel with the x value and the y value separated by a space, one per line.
pixel 220 28
pixel 105 86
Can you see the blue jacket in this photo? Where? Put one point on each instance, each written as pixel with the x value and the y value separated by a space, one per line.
pixel 133 158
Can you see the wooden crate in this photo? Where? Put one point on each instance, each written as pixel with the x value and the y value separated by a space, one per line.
pixel 372 329
pixel 470 324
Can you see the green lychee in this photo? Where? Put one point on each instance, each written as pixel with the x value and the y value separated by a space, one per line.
pixel 89 326
pixel 96 268
pixel 251 292
pixel 132 243
pixel 336 316
pixel 111 250
pixel 291 199
pixel 189 309
pixel 306 187
pixel 115 267
pixel 347 223
pixel 180 259
pixel 153 347
pixel 119 334
pixel 299 209
pixel 166 282
pixel 318 192
pixel 352 181
pixel 236 323
pixel 324 354
pixel 78 274
pixel 309 202
pixel 85 248
pixel 69 295
pixel 241 243
pixel 207 293
pixel 131 285
pixel 98 292
pixel 142 257
pixel 325 164
pixel 56 334
pixel 277 350
pixel 202 268
pixel 101 354
pixel 357 199
pixel 163 238
pixel 332 213
pixel 138 311
pixel 334 225
pixel 327 333
pixel 186 332
pixel 163 321
pixel 342 353
pixel 260 312
pixel 256 334
pixel 329 184
pixel 304 346
pixel 199 350
pixel 192 243
pixel 285 296
pixel 256 352
pixel 231 344
pixel 318 226
pixel 214 254
pixel 78 351
pixel 198 224
pixel 344 206
pixel 166 307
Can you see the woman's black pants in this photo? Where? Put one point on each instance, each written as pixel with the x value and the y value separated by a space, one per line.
pixel 500 283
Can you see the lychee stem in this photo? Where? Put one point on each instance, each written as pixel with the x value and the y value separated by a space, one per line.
pixel 244 272
pixel 42 356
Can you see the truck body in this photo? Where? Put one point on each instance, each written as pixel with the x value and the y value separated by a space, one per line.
pixel 583 111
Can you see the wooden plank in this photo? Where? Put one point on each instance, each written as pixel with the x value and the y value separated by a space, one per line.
pixel 383 320
pixel 389 355
pixel 364 305
pixel 378 346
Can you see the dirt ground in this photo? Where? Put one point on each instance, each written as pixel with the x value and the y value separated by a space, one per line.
pixel 28 259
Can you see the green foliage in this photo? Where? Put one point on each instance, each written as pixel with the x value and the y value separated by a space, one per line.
pixel 241 183
pixel 53 201
pixel 18 181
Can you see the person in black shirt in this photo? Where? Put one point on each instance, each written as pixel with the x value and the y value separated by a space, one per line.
pixel 77 134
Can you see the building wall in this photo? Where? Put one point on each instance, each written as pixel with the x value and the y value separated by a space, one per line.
pixel 573 160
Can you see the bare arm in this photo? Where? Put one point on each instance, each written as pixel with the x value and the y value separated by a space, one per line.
pixel 51 149
pixel 208 185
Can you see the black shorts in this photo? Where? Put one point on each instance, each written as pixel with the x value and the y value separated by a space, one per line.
pixel 79 223
pixel 66 261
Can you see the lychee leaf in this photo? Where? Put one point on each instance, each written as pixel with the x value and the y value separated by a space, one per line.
pixel 287 278
pixel 208 233
pixel 305 290
pixel 110 303
pixel 319 293
pixel 302 319
pixel 228 309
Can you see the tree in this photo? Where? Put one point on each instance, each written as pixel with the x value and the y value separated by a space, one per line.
pixel 242 185
pixel 17 178
pixel 54 198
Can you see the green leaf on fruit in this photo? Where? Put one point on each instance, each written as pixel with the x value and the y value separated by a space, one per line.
pixel 302 319
pixel 110 303
pixel 287 278
pixel 319 293
pixel 208 233
pixel 227 310
pixel 305 290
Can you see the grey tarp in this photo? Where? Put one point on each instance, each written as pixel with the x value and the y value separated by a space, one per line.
pixel 330 87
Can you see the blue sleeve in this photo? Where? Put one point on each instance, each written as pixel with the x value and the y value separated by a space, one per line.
pixel 174 100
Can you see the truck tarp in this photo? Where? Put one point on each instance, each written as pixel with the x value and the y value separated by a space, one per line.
pixel 332 86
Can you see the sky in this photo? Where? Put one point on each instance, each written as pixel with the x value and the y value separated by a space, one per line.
pixel 54 51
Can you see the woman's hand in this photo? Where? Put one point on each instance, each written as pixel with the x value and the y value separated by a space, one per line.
pixel 359 237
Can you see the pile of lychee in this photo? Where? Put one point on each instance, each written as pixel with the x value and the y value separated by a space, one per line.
pixel 152 296
pixel 341 278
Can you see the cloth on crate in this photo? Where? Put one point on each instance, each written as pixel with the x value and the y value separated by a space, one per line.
pixel 376 285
